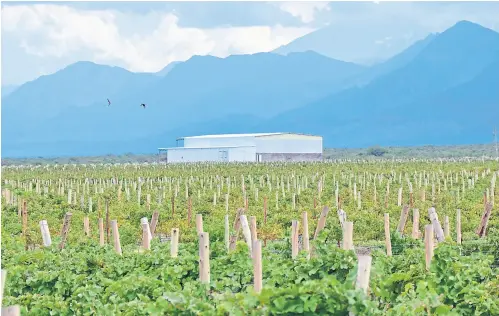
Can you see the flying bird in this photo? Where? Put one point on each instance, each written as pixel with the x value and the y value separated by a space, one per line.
pixel 108 102
pixel 143 105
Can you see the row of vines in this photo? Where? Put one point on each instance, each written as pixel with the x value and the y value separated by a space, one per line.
pixel 88 278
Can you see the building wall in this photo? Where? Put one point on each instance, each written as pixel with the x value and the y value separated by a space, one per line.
pixel 180 154
pixel 243 154
pixel 289 143
pixel 268 157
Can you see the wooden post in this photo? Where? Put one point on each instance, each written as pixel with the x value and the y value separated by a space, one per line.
pixel 295 225
pixel 102 242
pixel 403 219
pixel 415 224
pixel 246 232
pixel 253 228
pixel 436 224
pixel 388 242
pixel 257 266
pixel 227 232
pixel 348 236
pixel 174 243
pixel 116 236
pixel 86 226
pixel 65 229
pixel 24 215
pixel 199 223
pixel 428 242
pixel 154 222
pixel 44 228
pixel 322 221
pixel 14 310
pixel 342 216
pixel 458 227
pixel 204 258
pixel 363 273
pixel 446 226
pixel 305 236
pixel 143 221
pixel 237 227
pixel 2 285
pixel 482 228
pixel 146 240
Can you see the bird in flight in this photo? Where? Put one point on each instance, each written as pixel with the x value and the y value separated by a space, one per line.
pixel 108 102
pixel 143 105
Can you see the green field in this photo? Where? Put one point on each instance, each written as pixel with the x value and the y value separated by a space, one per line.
pixel 86 278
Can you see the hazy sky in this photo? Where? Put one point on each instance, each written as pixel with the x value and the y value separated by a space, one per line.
pixel 43 37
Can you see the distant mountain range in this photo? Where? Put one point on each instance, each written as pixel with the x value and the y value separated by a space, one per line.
pixel 444 89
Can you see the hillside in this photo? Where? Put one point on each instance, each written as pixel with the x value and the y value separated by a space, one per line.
pixel 460 63
pixel 411 99
pixel 202 89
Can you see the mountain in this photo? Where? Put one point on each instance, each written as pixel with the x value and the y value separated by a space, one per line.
pixel 452 63
pixel 163 72
pixel 394 63
pixel 351 41
pixel 8 89
pixel 71 89
pixel 202 89
pixel 440 90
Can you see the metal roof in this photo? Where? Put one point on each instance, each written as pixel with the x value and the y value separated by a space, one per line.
pixel 241 135
pixel 214 147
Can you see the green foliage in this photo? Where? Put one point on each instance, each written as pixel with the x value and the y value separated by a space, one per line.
pixel 87 279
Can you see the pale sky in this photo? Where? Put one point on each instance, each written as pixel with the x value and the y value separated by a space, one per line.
pixel 44 37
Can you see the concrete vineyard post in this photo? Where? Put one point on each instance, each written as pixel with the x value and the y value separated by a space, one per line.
pixel 102 241
pixel 146 240
pixel 116 237
pixel 253 228
pixel 86 226
pixel 429 245
pixel 322 221
pixel 237 227
pixel 348 236
pixel 174 243
pixel 199 223
pixel 154 222
pixel 305 236
pixel 65 230
pixel 295 225
pixel 363 273
pixel 415 224
pixel 446 226
pixel 342 216
pixel 436 224
pixel 388 242
pixel 403 219
pixel 246 232
pixel 44 228
pixel 204 258
pixel 257 266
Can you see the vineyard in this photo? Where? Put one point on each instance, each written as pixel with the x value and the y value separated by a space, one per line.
pixel 390 237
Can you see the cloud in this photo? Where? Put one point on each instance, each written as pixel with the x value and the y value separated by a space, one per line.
pixel 306 11
pixel 109 36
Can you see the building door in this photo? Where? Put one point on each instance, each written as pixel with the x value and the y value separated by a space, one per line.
pixel 259 157
pixel 223 155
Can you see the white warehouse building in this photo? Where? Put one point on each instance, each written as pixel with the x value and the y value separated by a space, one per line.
pixel 259 147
